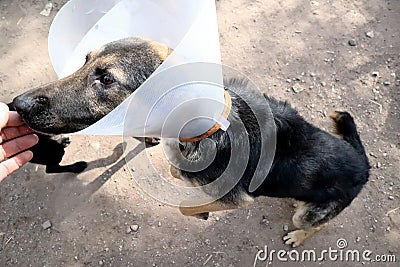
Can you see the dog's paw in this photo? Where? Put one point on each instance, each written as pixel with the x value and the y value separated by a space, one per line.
pixel 295 238
pixel 78 167
pixel 65 141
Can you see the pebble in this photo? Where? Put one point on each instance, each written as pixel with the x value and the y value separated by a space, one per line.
pixel 101 263
pixel 370 34
pixel 391 197
pixel 375 73
pixel 297 88
pixel 386 83
pixel 358 239
pixel 285 228
pixel 352 42
pixel 323 84
pixel 134 227
pixel 378 165
pixel 312 74
pixel 314 3
pixel 46 225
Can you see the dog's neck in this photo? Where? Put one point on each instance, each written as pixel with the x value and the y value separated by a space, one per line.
pixel 216 126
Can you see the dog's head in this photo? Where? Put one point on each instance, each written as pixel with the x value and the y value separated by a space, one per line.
pixel 109 76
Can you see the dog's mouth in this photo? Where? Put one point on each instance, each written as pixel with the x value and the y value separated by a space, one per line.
pixel 41 120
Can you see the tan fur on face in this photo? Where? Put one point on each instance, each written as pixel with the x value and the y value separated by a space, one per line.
pixel 162 50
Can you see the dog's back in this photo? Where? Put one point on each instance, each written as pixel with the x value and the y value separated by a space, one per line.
pixel 312 165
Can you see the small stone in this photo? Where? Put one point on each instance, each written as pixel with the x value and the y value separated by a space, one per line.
pixel 217 218
pixel 323 84
pixel 297 88
pixel 134 227
pixel 312 74
pixel 386 83
pixel 370 34
pixel 285 228
pixel 47 10
pixel 46 225
pixel 358 239
pixel 159 224
pixel 314 3
pixel 378 165
pixel 352 42
pixel 375 73
pixel 391 197
pixel 128 230
pixel 254 46
pixel 101 263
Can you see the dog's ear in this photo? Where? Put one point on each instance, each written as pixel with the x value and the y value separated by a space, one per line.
pixel 162 50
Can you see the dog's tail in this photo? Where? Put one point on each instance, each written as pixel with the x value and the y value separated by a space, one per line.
pixel 344 126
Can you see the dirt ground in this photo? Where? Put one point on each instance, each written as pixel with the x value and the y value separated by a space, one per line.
pixel 280 45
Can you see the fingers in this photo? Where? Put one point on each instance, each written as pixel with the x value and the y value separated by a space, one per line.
pixel 12 164
pixel 13 132
pixel 9 118
pixel 17 145
pixel 14 119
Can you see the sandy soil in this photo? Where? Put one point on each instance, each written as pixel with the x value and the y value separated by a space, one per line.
pixel 278 44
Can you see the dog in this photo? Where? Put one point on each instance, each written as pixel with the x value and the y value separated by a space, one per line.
pixel 321 171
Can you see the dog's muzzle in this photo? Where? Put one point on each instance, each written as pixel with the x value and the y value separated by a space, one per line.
pixel 27 106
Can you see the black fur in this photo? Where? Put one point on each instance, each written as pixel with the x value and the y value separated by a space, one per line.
pixel 310 165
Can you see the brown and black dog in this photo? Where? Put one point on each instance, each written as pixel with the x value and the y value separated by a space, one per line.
pixel 323 172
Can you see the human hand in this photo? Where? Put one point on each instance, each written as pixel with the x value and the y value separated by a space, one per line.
pixel 15 137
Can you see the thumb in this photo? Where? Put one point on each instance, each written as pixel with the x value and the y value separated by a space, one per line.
pixel 4 115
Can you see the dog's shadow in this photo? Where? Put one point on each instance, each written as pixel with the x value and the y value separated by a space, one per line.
pixel 97 183
pixel 71 192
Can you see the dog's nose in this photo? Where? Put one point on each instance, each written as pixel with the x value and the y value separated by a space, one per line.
pixel 25 105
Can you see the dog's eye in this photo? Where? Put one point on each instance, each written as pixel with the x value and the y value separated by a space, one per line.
pixel 107 79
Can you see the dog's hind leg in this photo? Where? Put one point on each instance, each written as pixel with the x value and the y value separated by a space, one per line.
pixel 310 218
pixel 190 208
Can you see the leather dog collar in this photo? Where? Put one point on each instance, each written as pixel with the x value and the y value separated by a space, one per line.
pixel 216 127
